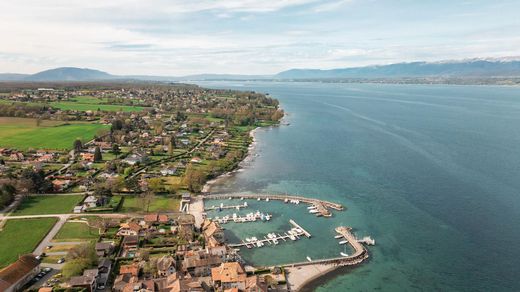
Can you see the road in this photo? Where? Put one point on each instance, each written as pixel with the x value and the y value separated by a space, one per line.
pixel 47 239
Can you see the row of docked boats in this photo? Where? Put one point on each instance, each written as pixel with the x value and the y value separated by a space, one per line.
pixel 249 217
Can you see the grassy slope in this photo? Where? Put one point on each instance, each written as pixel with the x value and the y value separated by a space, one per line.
pixel 75 231
pixel 23 133
pixel 22 236
pixel 47 205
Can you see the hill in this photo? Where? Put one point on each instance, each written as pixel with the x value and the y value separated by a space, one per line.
pixel 69 74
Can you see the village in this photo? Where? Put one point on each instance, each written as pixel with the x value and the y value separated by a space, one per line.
pixel 101 204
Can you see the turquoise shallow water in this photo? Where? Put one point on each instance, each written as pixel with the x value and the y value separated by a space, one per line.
pixel 432 172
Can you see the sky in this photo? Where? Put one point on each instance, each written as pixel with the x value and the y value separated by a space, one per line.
pixel 182 37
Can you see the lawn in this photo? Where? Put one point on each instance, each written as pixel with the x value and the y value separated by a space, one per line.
pixel 23 133
pixel 160 203
pixel 86 103
pixel 22 236
pixel 76 231
pixel 35 205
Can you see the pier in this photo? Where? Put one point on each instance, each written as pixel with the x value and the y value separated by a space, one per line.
pixel 223 207
pixel 298 274
pixel 321 205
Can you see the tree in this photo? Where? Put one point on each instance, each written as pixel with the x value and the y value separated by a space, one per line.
pixel 194 178
pixel 7 192
pixel 171 145
pixel 77 145
pixel 115 149
pixel 97 154
pixel 35 181
pixel 146 199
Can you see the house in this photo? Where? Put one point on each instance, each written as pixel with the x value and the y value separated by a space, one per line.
pixel 130 241
pixel 165 266
pixel 152 219
pixel 18 156
pixel 87 156
pixel 132 269
pixel 19 273
pixel 104 268
pixel 196 160
pixel 211 229
pixel 168 171
pixel 231 275
pixel 199 264
pixel 87 281
pixel 104 249
pixel 60 184
pixel 133 159
pixel 45 158
pixel 131 228
pixel 177 284
pixel 79 209
pixel 91 202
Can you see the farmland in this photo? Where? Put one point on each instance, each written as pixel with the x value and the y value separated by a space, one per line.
pixel 22 236
pixel 88 103
pixel 47 205
pixel 22 133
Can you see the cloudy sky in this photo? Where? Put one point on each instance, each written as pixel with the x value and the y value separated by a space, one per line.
pixel 179 37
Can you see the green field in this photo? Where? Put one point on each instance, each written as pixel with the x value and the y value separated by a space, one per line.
pixel 160 203
pixel 21 236
pixel 86 103
pixel 36 205
pixel 76 231
pixel 23 133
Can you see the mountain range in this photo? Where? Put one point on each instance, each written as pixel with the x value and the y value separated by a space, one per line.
pixel 480 68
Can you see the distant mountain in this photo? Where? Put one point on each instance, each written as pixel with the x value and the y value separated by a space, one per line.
pixel 473 68
pixel 12 76
pixel 468 68
pixel 69 74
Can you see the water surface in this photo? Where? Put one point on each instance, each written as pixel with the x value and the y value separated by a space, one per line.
pixel 432 172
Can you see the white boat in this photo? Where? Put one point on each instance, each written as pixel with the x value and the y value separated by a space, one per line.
pixel 309 259
pixel 248 239
pixel 311 207
pixel 258 199
pixel 245 204
pixel 292 237
pixel 241 198
pixel 338 236
pixel 267 217
pixel 343 254
pixel 267 199
pixel 259 244
pixel 286 200
pixel 230 198
pixel 275 241
pixel 313 211
pixel 254 239
pixel 343 241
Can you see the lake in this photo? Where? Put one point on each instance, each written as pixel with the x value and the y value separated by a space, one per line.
pixel 432 172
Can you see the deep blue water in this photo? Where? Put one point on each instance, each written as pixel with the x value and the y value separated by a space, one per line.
pixel 432 172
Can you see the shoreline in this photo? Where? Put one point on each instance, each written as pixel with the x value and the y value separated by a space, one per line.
pixel 240 166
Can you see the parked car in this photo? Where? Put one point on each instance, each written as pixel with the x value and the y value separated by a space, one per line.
pixel 61 261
